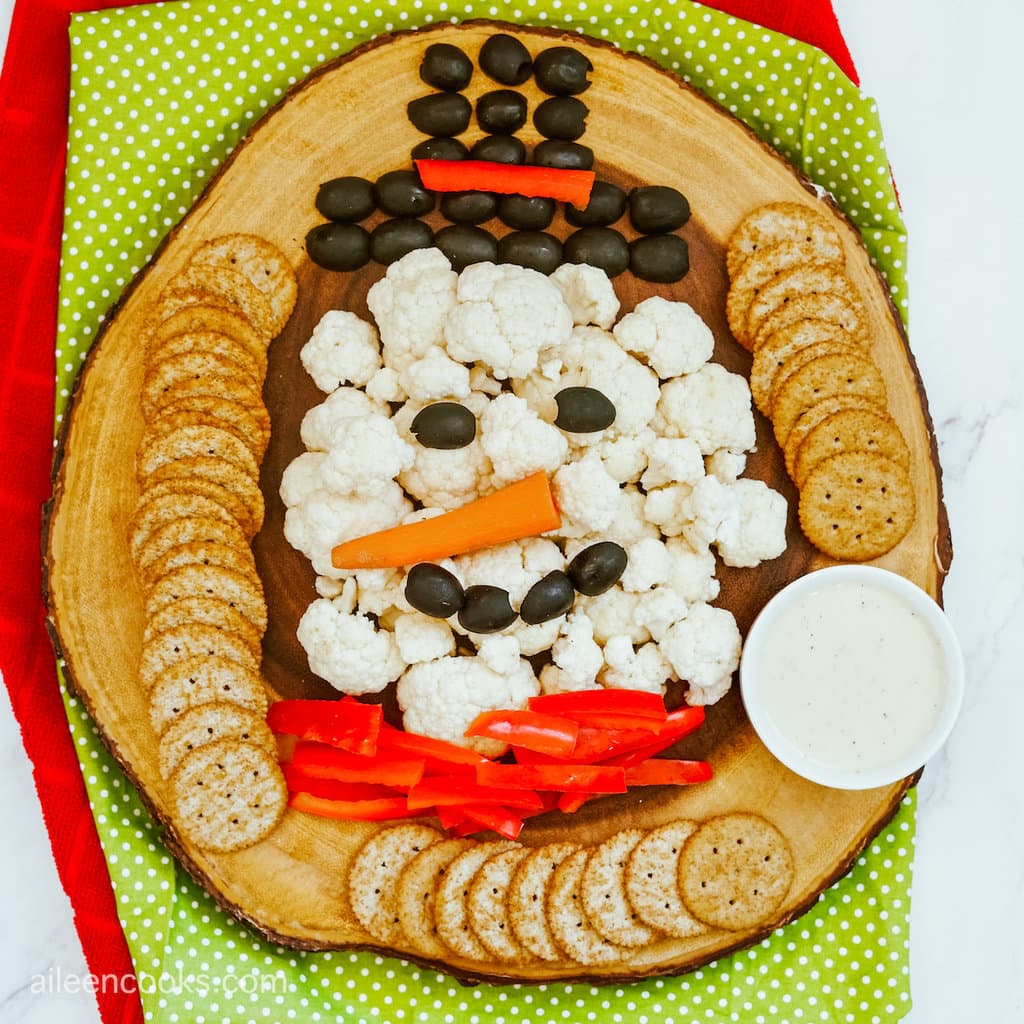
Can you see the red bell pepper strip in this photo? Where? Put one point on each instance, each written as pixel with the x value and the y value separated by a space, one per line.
pixel 458 791
pixel 298 780
pixel 570 186
pixel 547 734
pixel 570 803
pixel 352 810
pixel 505 822
pixel 680 723
pixel 330 763
pixel 665 772
pixel 639 703
pixel 347 724
pixel 562 778
pixel 440 757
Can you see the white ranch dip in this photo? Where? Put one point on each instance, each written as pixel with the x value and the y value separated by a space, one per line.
pixel 852 676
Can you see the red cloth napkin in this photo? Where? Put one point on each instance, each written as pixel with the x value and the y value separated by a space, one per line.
pixel 33 123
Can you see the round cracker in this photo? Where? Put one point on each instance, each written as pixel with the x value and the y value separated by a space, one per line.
pixel 226 283
pixel 850 430
pixel 735 871
pixel 160 484
pixel 811 417
pixel 487 906
pixel 651 880
pixel 182 414
pixel 262 263
pixel 191 373
pixel 240 591
pixel 234 556
pixel 603 891
pixel 567 922
pixel 190 640
pixel 154 511
pixel 451 910
pixel 228 795
pixel 199 680
pixel 211 611
pixel 777 222
pixel 841 373
pixel 857 505
pixel 244 485
pixel 527 898
pixel 207 723
pixel 193 440
pixel 770 357
pixel 801 358
pixel 417 886
pixel 208 341
pixel 192 530
pixel 842 309
pixel 201 316
pixel 224 383
pixel 762 267
pixel 249 418
pixel 796 284
pixel 373 877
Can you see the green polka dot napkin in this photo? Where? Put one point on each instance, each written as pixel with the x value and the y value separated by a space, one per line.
pixel 160 95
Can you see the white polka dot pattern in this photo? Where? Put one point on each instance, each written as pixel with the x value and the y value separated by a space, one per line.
pixel 160 95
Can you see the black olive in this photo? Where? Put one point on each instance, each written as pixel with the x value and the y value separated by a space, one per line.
pixel 506 60
pixel 534 249
pixel 569 155
pixel 499 149
pixel 439 149
pixel 562 71
pixel 547 598
pixel 445 425
pixel 446 67
pixel 469 207
pixel 526 213
pixel 597 568
pixel 660 258
pixel 441 113
pixel 600 247
pixel 465 245
pixel 486 610
pixel 583 410
pixel 400 194
pixel 607 204
pixel 561 117
pixel 345 199
pixel 339 246
pixel 393 239
pixel 656 209
pixel 502 112
pixel 433 590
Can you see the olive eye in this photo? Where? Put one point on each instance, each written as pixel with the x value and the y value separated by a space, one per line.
pixel 583 410
pixel 445 425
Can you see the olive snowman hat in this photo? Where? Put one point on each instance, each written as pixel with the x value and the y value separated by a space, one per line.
pixel 496 179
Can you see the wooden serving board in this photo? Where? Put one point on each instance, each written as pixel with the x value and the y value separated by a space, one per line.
pixel 645 126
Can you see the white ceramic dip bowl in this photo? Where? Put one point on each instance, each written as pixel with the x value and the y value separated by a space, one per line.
pixel 852 677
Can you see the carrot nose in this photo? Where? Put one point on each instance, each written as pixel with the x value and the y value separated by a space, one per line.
pixel 523 509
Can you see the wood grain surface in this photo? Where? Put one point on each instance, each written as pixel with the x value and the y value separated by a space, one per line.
pixel 645 126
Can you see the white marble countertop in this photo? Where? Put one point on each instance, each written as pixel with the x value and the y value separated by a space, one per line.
pixel 946 79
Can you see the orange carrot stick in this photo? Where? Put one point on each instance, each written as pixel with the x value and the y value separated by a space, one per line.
pixel 522 509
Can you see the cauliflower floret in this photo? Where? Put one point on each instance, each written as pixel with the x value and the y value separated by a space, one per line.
pixel 342 404
pixel 381 591
pixel 505 314
pixel 411 303
pixel 480 380
pixel 441 698
pixel 434 376
pixel 518 442
pixel 704 508
pixel 660 608
pixel 342 349
pixel 301 477
pixel 670 336
pixel 725 465
pixel 588 293
pixel 704 650
pixel 692 573
pixel 514 566
pixel 536 638
pixel 365 455
pixel 384 386
pixel 348 651
pixel 324 519
pixel 712 406
pixel 649 565
pixel 556 680
pixel 628 669
pixel 499 653
pixel 613 613
pixel 664 507
pixel 754 528
pixel 625 456
pixel 672 460
pixel 575 652
pixel 330 588
pixel 586 495
pixel 422 638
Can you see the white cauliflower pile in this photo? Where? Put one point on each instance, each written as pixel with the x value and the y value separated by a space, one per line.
pixel 663 481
